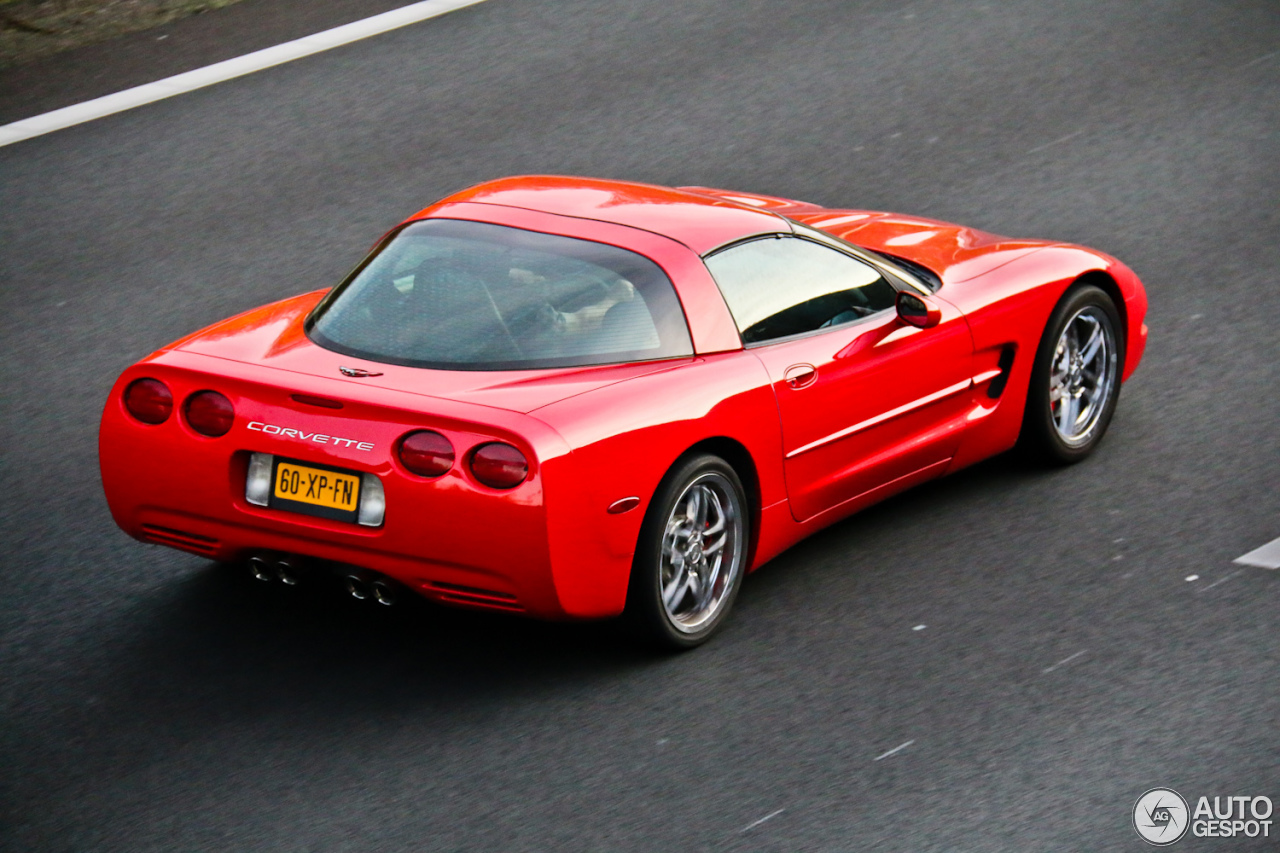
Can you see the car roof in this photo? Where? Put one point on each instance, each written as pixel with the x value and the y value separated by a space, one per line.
pixel 701 222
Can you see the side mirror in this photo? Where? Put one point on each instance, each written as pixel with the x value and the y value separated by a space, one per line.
pixel 917 311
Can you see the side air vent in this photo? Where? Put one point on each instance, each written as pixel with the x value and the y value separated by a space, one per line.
pixel 469 596
pixel 193 542
pixel 996 388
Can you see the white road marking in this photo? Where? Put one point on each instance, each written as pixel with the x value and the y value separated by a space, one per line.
pixel 1191 578
pixel 1065 660
pixel 1266 557
pixel 1222 579
pixel 220 71
pixel 756 823
pixel 895 750
pixel 919 627
pixel 1055 142
pixel 1262 58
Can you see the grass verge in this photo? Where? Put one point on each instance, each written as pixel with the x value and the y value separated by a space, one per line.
pixel 30 29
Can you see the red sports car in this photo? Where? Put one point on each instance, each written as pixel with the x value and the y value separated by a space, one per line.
pixel 577 398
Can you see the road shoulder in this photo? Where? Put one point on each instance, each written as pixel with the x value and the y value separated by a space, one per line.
pixel 92 71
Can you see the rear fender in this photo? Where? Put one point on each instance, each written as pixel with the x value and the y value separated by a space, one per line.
pixel 625 438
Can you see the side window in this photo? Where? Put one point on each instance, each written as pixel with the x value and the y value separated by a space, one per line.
pixel 777 287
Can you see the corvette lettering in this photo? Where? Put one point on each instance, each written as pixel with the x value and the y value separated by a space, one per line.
pixel 319 438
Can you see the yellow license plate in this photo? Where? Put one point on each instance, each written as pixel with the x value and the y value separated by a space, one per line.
pixel 317 487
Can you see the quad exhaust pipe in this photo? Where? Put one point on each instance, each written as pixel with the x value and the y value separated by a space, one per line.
pixel 361 584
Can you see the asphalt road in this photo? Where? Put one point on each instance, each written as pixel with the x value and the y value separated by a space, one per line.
pixel 152 701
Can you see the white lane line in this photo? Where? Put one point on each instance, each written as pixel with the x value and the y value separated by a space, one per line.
pixel 1065 660
pixel 1055 142
pixel 756 823
pixel 228 69
pixel 895 750
pixel 1222 579
pixel 1262 58
pixel 1266 557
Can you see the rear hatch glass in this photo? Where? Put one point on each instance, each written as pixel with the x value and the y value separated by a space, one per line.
pixel 460 295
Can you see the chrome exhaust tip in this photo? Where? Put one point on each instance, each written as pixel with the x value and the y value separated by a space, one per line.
pixel 357 587
pixel 383 592
pixel 289 571
pixel 261 568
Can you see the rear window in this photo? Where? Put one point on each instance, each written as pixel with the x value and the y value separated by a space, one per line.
pixel 460 295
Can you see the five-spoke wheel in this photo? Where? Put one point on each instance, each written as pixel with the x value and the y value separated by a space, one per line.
pixel 1076 378
pixel 1083 374
pixel 691 555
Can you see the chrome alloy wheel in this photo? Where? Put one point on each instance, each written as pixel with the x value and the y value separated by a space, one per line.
pixel 701 551
pixel 1082 377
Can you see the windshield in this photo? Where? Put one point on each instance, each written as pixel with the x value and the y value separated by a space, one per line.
pixel 462 295
pixel 916 275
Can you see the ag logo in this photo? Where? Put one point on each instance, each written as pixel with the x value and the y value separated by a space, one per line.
pixel 1160 816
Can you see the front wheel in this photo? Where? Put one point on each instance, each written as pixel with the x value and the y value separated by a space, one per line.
pixel 691 555
pixel 1075 382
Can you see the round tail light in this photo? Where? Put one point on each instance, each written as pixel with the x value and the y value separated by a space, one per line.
pixel 210 413
pixel 426 453
pixel 499 466
pixel 149 400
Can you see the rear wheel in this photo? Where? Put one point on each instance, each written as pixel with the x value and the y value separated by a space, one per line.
pixel 1075 382
pixel 691 555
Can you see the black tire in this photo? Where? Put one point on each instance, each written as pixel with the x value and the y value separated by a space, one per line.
pixel 683 624
pixel 1052 433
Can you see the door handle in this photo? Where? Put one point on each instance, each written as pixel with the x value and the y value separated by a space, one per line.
pixel 800 375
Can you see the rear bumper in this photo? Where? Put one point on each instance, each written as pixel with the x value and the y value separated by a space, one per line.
pixel 465 585
pixel 450 539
